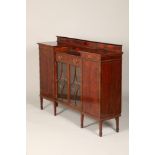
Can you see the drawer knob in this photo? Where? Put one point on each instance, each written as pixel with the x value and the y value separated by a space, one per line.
pixel 60 57
pixel 75 61
pixel 89 56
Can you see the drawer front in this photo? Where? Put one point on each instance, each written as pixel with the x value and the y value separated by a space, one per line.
pixel 91 56
pixel 61 49
pixel 67 58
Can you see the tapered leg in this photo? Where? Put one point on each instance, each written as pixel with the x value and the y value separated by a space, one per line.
pixel 117 124
pixel 41 102
pixel 55 108
pixel 100 128
pixel 56 104
pixel 82 119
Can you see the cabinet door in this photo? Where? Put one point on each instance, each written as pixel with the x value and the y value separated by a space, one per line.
pixel 111 87
pixel 46 58
pixel 91 87
pixel 62 82
pixel 75 85
pixel 68 77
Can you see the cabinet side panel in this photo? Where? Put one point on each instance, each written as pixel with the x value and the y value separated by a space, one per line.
pixel 46 71
pixel 91 87
pixel 111 88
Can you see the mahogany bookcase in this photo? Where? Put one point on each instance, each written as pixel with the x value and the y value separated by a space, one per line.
pixel 82 75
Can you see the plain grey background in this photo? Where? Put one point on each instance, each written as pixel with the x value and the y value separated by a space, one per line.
pixel 96 20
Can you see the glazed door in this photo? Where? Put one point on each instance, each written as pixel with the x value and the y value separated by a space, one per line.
pixel 68 81
pixel 75 85
pixel 62 82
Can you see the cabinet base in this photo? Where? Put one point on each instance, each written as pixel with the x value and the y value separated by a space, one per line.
pixel 82 116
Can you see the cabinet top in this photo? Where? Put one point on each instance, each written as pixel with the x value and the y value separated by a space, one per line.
pixel 49 43
pixel 66 41
pixel 74 44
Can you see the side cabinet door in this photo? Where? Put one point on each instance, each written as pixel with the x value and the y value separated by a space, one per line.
pixel 46 57
pixel 111 87
pixel 91 87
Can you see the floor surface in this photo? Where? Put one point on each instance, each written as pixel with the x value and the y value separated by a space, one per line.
pixel 62 135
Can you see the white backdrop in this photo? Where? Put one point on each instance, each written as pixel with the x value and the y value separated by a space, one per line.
pixel 96 20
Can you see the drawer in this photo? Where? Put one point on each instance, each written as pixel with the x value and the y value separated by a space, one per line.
pixel 61 49
pixel 91 56
pixel 67 58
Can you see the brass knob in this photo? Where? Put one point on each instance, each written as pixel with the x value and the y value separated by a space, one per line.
pixel 89 56
pixel 75 61
pixel 60 57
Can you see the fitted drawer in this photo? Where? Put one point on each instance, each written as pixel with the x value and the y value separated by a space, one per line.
pixel 91 56
pixel 68 58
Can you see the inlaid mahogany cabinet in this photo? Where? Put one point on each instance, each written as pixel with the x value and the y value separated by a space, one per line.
pixel 82 75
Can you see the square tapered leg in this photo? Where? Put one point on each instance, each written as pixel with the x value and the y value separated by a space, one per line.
pixel 117 124
pixel 55 108
pixel 41 102
pixel 82 120
pixel 100 128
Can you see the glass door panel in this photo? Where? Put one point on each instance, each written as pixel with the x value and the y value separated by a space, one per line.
pixel 62 81
pixel 75 87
